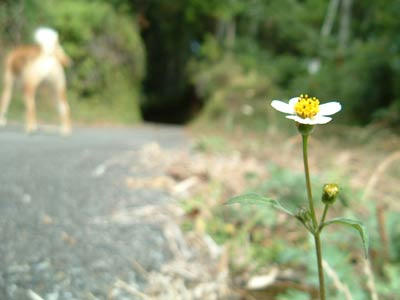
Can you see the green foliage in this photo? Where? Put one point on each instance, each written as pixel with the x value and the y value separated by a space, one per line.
pixel 281 47
pixel 255 199
pixel 234 93
pixel 16 17
pixel 211 143
pixel 104 81
pixel 372 91
pixel 256 239
pixel 228 56
pixel 292 195
pixel 355 224
pixel 394 234
pixel 390 286
pixel 107 52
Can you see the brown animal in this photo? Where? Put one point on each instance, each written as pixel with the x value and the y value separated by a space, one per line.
pixel 34 64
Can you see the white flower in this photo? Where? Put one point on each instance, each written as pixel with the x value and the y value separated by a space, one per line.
pixel 307 110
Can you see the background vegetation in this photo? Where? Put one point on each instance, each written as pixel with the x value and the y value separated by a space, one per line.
pixel 172 61
pixel 105 46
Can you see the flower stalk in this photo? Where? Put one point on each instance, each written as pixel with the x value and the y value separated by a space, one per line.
pixel 323 216
pixel 308 181
pixel 318 248
pixel 316 227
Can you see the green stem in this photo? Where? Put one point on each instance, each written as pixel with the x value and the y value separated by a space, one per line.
pixel 320 267
pixel 308 181
pixel 315 232
pixel 323 217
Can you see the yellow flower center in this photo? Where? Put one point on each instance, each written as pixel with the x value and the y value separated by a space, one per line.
pixel 331 189
pixel 307 107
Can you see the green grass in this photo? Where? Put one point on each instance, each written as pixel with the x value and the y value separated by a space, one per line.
pixel 82 112
pixel 260 238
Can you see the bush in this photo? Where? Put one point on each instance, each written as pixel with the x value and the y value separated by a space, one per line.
pixel 107 53
pixel 233 93
pixel 363 88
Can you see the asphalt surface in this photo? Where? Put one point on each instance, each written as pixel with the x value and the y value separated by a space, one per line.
pixel 51 191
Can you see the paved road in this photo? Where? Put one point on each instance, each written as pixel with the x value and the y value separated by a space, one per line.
pixel 51 190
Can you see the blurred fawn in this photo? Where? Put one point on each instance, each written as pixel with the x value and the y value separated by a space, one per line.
pixel 34 64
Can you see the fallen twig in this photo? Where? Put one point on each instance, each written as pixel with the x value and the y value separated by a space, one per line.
pixel 33 295
pixel 370 280
pixel 340 286
pixel 130 289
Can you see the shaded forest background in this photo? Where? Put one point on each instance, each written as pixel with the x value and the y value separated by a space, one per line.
pixel 175 61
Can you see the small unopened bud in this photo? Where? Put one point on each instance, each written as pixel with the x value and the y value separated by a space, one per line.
pixel 330 192
pixel 303 215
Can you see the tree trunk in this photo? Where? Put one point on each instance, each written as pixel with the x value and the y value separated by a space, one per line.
pixel 345 24
pixel 330 17
pixel 230 34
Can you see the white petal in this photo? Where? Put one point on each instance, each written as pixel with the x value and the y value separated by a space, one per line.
pixel 300 120
pixel 282 107
pixel 318 119
pixel 330 108
pixel 293 101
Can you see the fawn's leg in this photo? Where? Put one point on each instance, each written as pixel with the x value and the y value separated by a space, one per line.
pixel 58 79
pixel 29 96
pixel 6 96
pixel 64 111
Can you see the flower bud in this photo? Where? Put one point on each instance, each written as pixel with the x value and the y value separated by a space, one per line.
pixel 303 215
pixel 329 193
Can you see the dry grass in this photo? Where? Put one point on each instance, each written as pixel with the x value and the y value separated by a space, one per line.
pixel 365 159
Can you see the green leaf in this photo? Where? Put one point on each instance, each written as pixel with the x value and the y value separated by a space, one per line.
pixel 255 199
pixel 357 225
